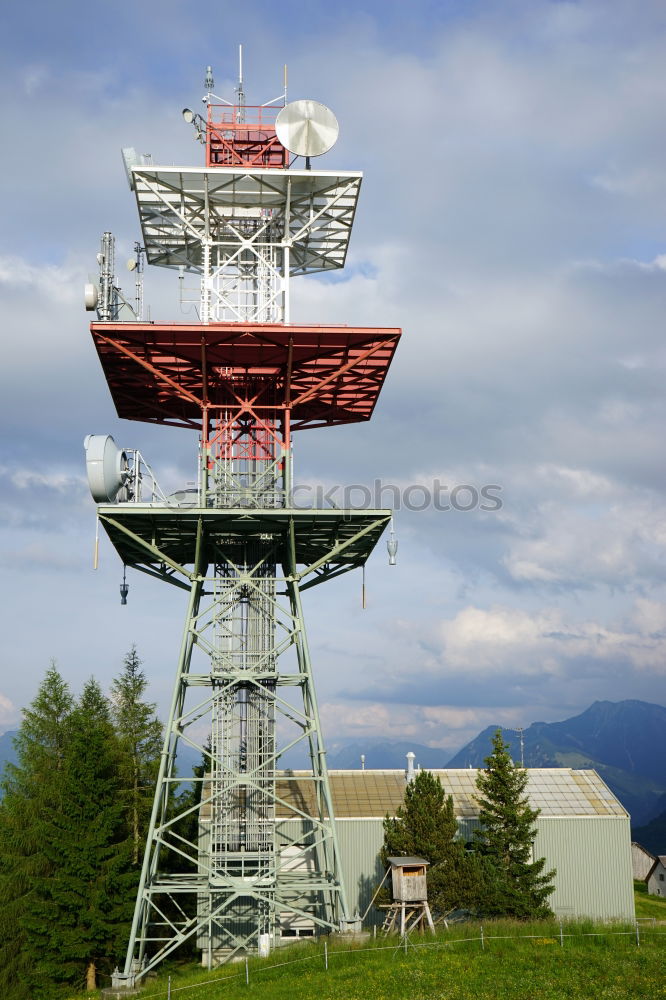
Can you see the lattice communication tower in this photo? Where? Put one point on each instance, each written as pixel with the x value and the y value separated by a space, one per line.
pixel 245 379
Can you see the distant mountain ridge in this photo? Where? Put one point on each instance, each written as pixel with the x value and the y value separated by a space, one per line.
pixel 624 741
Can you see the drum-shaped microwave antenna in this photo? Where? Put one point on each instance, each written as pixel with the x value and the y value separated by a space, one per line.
pixel 307 128
pixel 107 467
pixel 90 296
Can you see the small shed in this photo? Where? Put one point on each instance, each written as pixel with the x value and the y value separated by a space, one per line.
pixel 641 861
pixel 656 879
pixel 408 876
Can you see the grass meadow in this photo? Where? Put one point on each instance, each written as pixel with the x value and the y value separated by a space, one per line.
pixel 504 961
pixel 648 906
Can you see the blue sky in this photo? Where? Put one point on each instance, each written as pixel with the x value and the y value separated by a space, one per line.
pixel 512 220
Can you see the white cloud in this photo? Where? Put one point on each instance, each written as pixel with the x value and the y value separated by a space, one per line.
pixel 649 617
pixel 619 542
pixel 61 481
pixel 501 640
pixel 8 712
pixel 49 281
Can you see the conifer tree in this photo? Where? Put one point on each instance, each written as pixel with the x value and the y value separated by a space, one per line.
pixel 515 885
pixel 140 736
pixel 425 826
pixel 77 919
pixel 31 792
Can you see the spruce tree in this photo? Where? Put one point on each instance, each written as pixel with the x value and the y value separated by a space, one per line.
pixel 425 826
pixel 31 792
pixel 140 736
pixel 77 919
pixel 515 885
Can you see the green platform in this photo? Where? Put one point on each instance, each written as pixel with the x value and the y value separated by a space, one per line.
pixel 162 540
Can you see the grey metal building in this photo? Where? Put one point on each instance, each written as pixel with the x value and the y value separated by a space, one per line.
pixel 656 877
pixel 642 861
pixel 583 832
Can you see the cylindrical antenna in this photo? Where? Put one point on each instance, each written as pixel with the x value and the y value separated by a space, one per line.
pixel 105 259
pixel 96 556
pixel 209 83
pixel 285 83
pixel 240 114
pixel 392 546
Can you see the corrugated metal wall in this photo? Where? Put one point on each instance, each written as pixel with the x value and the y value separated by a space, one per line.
pixel 593 862
pixel 592 857
pixel 360 842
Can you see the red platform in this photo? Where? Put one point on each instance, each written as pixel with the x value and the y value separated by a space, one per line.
pixel 175 373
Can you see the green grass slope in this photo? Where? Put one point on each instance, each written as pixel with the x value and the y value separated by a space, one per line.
pixel 453 966
pixel 648 906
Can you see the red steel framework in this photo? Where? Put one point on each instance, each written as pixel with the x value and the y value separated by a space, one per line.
pixel 233 142
pixel 189 374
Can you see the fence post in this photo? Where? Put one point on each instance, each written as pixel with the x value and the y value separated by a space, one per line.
pixel 483 944
pixel 561 936
pixel 247 973
pixel 326 955
pixel 169 988
pixel 638 936
pixel 404 938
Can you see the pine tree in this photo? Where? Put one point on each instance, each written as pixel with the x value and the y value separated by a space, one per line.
pixel 140 736
pixel 515 885
pixel 31 792
pixel 426 826
pixel 78 918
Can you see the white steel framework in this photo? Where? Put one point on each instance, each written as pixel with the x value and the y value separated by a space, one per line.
pixel 245 231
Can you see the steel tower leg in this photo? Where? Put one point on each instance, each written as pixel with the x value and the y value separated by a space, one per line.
pixel 135 959
pixel 259 852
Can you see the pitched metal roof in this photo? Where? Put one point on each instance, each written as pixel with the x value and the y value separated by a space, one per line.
pixel 372 794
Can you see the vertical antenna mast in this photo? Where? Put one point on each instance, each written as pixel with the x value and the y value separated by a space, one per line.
pixel 138 280
pixel 241 95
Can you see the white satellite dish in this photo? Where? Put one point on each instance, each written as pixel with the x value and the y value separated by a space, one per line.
pixel 107 467
pixel 307 128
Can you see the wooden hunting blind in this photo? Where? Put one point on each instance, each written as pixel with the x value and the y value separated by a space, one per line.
pixel 409 879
